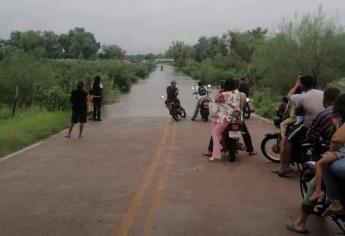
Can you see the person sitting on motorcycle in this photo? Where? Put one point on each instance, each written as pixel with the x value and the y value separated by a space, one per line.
pixel 323 127
pixel 172 93
pixel 201 92
pixel 337 151
pixel 244 86
pixel 309 104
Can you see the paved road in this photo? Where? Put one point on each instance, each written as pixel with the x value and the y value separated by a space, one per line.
pixel 139 173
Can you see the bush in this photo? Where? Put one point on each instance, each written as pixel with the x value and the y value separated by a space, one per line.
pixel 266 102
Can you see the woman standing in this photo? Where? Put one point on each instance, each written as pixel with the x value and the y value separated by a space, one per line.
pixel 228 100
pixel 97 98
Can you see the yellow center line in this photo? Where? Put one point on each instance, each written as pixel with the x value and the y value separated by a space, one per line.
pixel 137 199
pixel 157 197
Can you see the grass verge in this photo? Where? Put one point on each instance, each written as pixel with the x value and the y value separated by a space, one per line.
pixel 27 127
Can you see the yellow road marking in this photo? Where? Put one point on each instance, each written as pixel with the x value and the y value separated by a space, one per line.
pixel 157 197
pixel 137 200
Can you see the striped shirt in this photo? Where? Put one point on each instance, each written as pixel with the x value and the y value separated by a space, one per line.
pixel 322 126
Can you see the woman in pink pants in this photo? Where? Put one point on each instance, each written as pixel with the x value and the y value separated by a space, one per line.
pixel 229 100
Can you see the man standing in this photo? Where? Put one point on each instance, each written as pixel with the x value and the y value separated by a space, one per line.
pixel 79 107
pixel 172 92
pixel 201 92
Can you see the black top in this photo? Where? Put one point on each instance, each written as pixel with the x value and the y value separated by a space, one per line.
pixel 244 88
pixel 79 100
pixel 97 91
pixel 171 93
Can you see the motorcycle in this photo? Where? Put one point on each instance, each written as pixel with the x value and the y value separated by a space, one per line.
pixel 176 110
pixel 204 108
pixel 306 176
pixel 248 108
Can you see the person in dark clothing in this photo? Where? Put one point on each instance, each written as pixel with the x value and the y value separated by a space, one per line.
pixel 244 87
pixel 97 98
pixel 79 109
pixel 172 92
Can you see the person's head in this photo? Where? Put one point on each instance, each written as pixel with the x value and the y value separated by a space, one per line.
pixel 200 83
pixel 173 83
pixel 97 81
pixel 329 96
pixel 307 82
pixel 230 85
pixel 243 79
pixel 339 106
pixel 80 85
pixel 237 82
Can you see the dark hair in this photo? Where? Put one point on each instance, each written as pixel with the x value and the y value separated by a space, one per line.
pixel 80 85
pixel 307 81
pixel 97 82
pixel 331 94
pixel 200 83
pixel 237 83
pixel 339 106
pixel 243 79
pixel 285 100
pixel 229 85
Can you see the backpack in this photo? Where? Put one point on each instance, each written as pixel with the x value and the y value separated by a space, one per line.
pixel 202 91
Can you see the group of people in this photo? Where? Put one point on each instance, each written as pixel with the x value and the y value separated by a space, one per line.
pixel 316 117
pixel 85 105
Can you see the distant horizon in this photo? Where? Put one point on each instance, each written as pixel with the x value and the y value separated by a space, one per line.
pixel 150 26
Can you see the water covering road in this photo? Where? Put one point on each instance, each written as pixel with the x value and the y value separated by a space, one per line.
pixel 140 173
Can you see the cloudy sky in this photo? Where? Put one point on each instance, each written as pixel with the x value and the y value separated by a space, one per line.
pixel 142 26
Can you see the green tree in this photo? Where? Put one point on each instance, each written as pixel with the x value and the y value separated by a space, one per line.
pixel 112 52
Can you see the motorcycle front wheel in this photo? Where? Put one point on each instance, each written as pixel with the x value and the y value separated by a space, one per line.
pixel 270 148
pixel 182 112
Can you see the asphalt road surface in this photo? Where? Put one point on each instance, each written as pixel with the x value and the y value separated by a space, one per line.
pixel 140 173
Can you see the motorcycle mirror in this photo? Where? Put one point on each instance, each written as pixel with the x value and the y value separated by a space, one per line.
pixel 162 97
pixel 209 86
pixel 193 88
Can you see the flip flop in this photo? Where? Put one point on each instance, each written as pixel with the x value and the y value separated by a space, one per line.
pixel 284 174
pixel 252 153
pixel 296 230
pixel 207 154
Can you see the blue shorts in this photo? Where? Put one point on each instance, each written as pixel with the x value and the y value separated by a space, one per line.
pixel 340 155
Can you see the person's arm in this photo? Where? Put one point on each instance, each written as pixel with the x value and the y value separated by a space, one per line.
pixel 219 97
pixel 338 138
pixel 294 89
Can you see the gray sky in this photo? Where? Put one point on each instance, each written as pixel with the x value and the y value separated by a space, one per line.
pixel 142 26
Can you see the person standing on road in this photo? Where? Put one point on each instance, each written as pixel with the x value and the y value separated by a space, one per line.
pixel 97 90
pixel 79 109
pixel 201 92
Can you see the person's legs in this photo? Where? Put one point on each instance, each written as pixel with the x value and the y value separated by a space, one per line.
pixel 70 130
pixel 81 128
pixel 196 111
pixel 216 136
pixel 247 139
pixel 327 159
pixel 334 184
pixel 286 157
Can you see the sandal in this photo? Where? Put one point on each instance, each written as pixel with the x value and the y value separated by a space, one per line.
pixel 285 173
pixel 293 228
pixel 207 154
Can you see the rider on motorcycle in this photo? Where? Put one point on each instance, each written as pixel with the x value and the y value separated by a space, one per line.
pixel 172 93
pixel 202 93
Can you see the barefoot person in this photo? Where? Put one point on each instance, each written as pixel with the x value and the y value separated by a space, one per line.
pixel 79 107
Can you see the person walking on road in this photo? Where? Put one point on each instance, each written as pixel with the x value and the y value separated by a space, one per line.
pixel 79 109
pixel 97 90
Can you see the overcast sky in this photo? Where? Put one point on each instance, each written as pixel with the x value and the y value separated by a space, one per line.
pixel 142 26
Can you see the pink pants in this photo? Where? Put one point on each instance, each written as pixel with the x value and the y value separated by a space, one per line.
pixel 217 131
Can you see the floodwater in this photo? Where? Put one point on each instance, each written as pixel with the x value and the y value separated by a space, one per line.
pixel 145 98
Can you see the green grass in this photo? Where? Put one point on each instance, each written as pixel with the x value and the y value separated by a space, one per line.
pixel 27 127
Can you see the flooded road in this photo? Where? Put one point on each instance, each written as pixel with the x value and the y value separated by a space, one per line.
pixel 145 98
pixel 140 173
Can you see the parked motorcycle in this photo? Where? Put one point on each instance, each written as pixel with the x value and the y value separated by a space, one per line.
pixel 248 108
pixel 204 108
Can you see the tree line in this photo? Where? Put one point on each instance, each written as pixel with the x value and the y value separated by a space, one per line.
pixel 77 44
pixel 270 60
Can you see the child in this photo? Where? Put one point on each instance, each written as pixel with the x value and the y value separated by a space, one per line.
pixel 89 104
pixel 337 151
